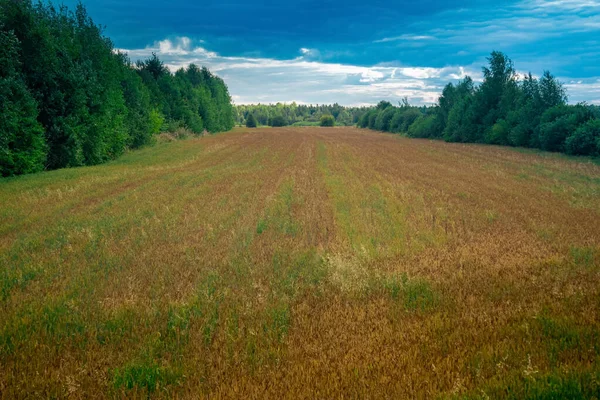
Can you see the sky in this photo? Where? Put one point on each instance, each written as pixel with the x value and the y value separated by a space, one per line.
pixel 359 52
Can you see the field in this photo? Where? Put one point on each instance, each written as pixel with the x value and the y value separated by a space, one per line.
pixel 303 263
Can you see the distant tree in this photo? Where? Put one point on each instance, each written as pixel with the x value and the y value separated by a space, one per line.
pixel 251 121
pixel 327 120
pixel 585 140
pixel 560 122
pixel 426 126
pixel 154 66
pixel 501 110
pixel 277 121
pixel 384 117
pixel 382 105
pixel 551 91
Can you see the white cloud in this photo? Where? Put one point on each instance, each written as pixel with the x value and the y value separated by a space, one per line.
pixel 560 5
pixel 583 90
pixel 405 37
pixel 267 80
pixel 525 22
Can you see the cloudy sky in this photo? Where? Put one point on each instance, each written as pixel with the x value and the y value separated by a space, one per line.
pixel 359 52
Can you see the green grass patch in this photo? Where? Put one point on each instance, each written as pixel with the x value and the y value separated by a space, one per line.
pixel 148 377
pixel 278 322
pixel 416 294
pixel 556 385
pixel 583 256
pixel 278 216
pixel 563 337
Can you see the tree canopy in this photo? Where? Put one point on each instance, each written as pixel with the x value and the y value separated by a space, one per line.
pixel 69 99
pixel 298 114
pixel 327 120
pixel 503 109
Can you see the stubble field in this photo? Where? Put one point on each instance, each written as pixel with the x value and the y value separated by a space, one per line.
pixel 303 263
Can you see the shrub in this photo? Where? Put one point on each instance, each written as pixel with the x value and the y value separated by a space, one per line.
pixel 499 132
pixel 558 123
pixel 384 117
pixel 157 121
pixel 425 127
pixel 363 122
pixel 585 140
pixel 327 120
pixel 251 122
pixel 404 119
pixel 372 119
pixel 278 120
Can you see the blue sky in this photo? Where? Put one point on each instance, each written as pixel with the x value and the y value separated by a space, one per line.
pixel 355 53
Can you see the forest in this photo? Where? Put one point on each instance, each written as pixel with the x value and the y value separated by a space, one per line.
pixel 68 98
pixel 504 110
pixel 282 114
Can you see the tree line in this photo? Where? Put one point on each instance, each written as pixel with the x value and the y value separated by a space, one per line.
pixel 69 99
pixel 281 114
pixel 503 110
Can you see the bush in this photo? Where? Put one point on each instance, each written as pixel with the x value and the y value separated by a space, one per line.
pixel 558 123
pixel 461 126
pixel 363 121
pixel 277 121
pixel 372 119
pixel 384 117
pixel 498 134
pixel 157 121
pixel 425 127
pixel 327 120
pixel 409 116
pixel 251 122
pixel 585 140
pixel 306 123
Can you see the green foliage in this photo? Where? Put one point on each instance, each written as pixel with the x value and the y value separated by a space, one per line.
pixel 157 121
pixel 498 134
pixel 585 140
pixel 327 120
pixel 298 115
pixel 501 110
pixel 460 126
pixel 384 118
pixel 22 144
pixel 277 121
pixel 425 127
pixel 69 99
pixel 559 122
pixel 251 122
pixel 404 118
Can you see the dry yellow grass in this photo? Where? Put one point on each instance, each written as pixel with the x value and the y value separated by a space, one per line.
pixel 303 263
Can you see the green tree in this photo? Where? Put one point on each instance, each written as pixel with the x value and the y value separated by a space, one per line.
pixel 559 122
pixel 585 140
pixel 61 76
pixel 384 118
pixel 251 121
pixel 277 121
pixel 327 120
pixel 22 145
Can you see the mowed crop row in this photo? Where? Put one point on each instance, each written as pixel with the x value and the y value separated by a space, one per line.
pixel 303 263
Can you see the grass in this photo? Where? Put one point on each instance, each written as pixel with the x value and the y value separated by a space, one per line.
pixel 303 262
